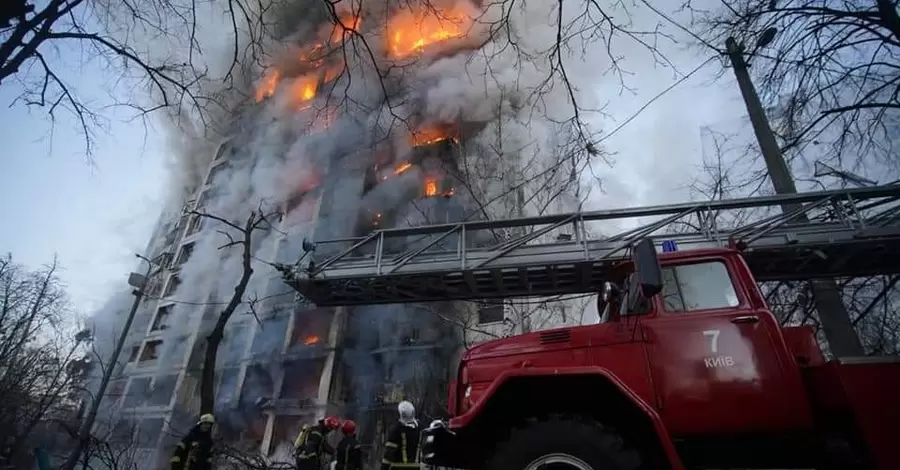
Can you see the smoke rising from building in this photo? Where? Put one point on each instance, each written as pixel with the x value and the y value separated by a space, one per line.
pixel 338 137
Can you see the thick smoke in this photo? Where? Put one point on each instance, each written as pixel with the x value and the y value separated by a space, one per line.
pixel 303 159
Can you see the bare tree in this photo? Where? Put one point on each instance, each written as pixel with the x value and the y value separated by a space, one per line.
pixel 40 365
pixel 241 236
pixel 141 44
pixel 828 66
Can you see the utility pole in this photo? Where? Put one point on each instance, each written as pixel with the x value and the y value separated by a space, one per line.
pixel 137 281
pixel 836 324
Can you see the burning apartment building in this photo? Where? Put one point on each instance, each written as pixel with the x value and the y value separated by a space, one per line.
pixel 333 145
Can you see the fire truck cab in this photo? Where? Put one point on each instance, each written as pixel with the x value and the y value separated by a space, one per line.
pixel 688 368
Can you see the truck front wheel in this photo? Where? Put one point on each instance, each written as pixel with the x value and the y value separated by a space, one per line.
pixel 563 444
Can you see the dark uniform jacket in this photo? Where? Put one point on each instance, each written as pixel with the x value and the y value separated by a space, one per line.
pixel 194 452
pixel 402 447
pixel 348 454
pixel 311 443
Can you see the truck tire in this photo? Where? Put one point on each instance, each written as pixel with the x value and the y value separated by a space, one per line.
pixel 552 444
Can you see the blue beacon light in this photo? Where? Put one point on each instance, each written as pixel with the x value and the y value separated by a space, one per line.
pixel 669 246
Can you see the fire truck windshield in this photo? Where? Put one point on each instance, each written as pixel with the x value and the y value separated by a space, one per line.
pixel 698 286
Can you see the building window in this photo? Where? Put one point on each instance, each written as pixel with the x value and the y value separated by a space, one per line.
pixel 195 225
pixel 151 350
pixel 163 259
pixel 698 286
pixel 160 322
pixel 134 353
pixel 185 253
pixel 173 284
pixel 490 311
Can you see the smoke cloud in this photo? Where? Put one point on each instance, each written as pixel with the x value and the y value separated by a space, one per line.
pixel 303 150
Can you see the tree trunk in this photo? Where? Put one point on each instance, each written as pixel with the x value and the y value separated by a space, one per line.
pixel 208 377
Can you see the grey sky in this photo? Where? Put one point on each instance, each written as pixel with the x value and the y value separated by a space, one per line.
pixel 96 218
pixel 52 201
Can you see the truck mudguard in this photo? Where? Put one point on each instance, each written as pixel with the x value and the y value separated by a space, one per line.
pixel 661 432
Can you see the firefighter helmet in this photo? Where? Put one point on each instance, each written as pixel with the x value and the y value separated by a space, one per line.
pixel 332 423
pixel 348 428
pixel 407 412
pixel 207 418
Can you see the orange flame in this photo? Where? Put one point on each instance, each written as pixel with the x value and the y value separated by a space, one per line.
pixel 410 32
pixel 347 22
pixel 267 85
pixel 304 89
pixel 431 187
pixel 400 169
pixel 432 134
pixel 311 339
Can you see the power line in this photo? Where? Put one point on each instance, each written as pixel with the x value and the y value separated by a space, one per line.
pixel 658 96
pixel 681 27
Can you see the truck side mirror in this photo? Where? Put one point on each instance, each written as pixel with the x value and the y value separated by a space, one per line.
pixel 646 268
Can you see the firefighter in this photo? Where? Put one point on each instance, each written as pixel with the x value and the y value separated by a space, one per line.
pixel 348 455
pixel 402 447
pixel 311 443
pixel 194 452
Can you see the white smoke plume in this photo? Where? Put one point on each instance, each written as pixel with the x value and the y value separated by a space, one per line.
pixel 310 145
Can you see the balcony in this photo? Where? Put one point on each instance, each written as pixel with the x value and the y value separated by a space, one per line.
pixel 288 405
pixel 305 352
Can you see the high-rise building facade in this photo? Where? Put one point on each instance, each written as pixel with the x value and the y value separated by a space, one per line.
pixel 319 173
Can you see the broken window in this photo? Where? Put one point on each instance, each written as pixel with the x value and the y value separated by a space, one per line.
pixel 311 326
pixel 185 253
pixel 490 311
pixel 151 350
pixel 173 284
pixel 160 322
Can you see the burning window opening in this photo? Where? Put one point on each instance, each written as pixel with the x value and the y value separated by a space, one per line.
pixel 410 32
pixel 304 90
pixel 433 134
pixel 268 84
pixel 431 187
pixel 311 339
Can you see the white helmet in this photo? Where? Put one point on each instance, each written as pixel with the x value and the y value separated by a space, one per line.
pixel 407 412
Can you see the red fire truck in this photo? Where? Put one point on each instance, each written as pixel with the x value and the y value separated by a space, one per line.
pixel 688 367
